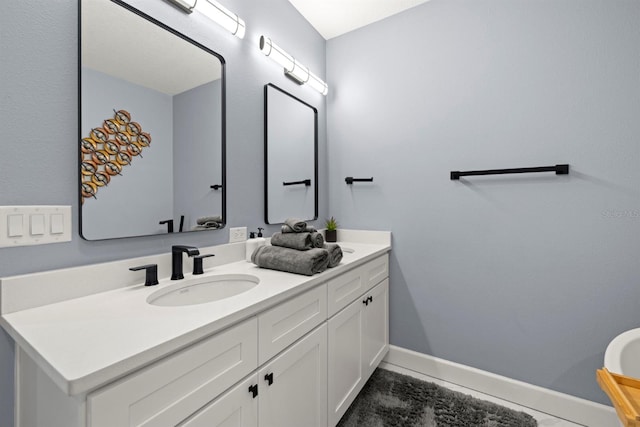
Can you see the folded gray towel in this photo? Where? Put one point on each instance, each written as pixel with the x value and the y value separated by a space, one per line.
pixel 205 219
pixel 299 241
pixel 290 260
pixel 287 229
pixel 335 253
pixel 207 226
pixel 297 225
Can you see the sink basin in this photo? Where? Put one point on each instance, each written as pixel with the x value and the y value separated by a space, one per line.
pixel 623 354
pixel 201 290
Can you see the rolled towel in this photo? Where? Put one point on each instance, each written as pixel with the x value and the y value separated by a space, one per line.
pixel 299 241
pixel 290 260
pixel 212 224
pixel 317 239
pixel 335 253
pixel 287 229
pixel 205 219
pixel 297 225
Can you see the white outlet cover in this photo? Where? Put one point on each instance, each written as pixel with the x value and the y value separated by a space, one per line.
pixel 237 234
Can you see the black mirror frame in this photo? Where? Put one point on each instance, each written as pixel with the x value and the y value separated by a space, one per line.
pixel 223 119
pixel 266 155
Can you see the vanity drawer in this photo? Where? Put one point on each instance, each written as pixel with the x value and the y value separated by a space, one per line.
pixel 166 392
pixel 283 325
pixel 346 288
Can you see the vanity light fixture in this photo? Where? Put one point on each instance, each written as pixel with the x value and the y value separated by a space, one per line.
pixel 217 13
pixel 292 68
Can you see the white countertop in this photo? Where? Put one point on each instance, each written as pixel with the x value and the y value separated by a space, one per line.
pixel 84 343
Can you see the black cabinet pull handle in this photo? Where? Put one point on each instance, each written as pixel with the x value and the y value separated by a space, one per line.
pixel 370 299
pixel 269 378
pixel 253 389
pixel 365 301
pixel 216 186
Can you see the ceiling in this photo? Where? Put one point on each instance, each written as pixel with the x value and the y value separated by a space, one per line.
pixel 332 18
pixel 124 45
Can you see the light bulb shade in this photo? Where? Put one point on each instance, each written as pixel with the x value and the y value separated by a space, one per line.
pixel 221 15
pixel 292 67
pixel 318 84
pixel 299 72
pixel 274 52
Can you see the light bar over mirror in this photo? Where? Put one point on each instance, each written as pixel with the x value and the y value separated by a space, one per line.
pixel 292 68
pixel 216 12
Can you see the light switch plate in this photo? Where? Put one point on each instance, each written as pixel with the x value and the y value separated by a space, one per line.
pixel 40 225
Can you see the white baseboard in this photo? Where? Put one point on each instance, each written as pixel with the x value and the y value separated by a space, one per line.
pixel 560 405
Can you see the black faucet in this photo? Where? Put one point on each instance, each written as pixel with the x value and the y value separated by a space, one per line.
pixel 176 259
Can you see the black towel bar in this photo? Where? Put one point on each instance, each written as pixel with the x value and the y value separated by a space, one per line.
pixel 306 182
pixel 350 180
pixel 558 169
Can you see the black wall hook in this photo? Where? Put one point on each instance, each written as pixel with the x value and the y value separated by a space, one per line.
pixel 350 180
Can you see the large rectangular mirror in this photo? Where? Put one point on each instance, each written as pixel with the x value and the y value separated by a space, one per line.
pixel 291 157
pixel 152 126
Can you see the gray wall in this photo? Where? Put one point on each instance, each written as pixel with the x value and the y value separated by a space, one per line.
pixel 143 193
pixel 38 114
pixel 196 153
pixel 525 276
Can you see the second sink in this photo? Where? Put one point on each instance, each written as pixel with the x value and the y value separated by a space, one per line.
pixel 203 289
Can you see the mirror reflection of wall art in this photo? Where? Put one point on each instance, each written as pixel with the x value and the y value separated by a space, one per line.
pixel 166 85
pixel 108 149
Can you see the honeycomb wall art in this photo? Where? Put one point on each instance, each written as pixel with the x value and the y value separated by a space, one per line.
pixel 108 149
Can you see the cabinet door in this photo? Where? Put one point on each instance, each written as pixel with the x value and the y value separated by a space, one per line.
pixel 286 323
pixel 375 332
pixel 347 287
pixel 168 391
pixel 236 408
pixel 293 387
pixel 345 364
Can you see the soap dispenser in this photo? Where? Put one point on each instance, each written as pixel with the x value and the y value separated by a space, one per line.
pixel 254 243
pixel 251 245
pixel 261 240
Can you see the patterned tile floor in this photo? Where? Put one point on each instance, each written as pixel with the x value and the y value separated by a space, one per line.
pixel 544 420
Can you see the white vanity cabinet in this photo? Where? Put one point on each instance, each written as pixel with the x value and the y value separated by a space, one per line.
pixel 170 390
pixel 237 407
pixel 358 335
pixel 293 386
pixel 299 362
pixel 290 391
pixel 375 327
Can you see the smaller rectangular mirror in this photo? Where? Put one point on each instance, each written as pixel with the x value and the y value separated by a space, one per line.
pixel 291 157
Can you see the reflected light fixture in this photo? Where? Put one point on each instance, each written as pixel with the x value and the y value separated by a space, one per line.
pixel 216 12
pixel 292 68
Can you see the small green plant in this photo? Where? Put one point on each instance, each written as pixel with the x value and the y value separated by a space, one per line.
pixel 331 224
